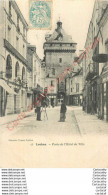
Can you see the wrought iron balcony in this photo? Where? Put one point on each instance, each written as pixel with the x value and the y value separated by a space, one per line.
pixel 90 72
pixel 11 49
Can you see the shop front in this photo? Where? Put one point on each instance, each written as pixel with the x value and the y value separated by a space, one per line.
pixel 75 100
pixel 105 98
pixel 6 98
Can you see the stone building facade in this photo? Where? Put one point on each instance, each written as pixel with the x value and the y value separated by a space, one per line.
pixel 74 91
pixel 35 75
pixel 13 62
pixel 74 82
pixel 59 50
pixel 96 43
pixel 103 79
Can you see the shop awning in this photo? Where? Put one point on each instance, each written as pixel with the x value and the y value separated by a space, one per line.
pixel 7 87
pixel 100 58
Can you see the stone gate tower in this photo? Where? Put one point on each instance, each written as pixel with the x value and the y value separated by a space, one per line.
pixel 59 50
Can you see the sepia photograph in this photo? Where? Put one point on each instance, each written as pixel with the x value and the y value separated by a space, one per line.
pixel 54 83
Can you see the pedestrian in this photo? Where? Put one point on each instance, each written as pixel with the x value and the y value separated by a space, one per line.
pixel 44 106
pixel 38 111
pixel 63 112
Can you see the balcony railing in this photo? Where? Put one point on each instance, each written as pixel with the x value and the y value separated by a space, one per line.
pixel 90 72
pixel 11 49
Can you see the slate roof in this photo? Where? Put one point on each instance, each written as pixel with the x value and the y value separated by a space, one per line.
pixel 60 36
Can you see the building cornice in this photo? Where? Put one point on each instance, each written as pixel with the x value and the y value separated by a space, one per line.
pixel 15 6
pixel 59 42
pixel 9 17
pixel 13 51
pixel 60 51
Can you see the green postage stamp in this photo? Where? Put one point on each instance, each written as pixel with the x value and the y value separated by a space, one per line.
pixel 40 14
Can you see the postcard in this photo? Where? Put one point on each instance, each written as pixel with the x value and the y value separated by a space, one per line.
pixel 54 83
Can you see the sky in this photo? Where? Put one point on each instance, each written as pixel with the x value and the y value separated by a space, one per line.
pixel 75 16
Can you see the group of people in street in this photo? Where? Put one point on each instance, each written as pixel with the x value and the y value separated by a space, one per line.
pixel 41 107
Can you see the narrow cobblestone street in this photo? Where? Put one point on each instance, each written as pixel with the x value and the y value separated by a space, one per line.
pixel 77 123
pixel 80 137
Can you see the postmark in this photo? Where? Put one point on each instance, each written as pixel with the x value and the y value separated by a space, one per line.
pixel 40 14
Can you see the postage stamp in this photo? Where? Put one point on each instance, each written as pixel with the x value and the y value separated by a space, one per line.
pixel 40 14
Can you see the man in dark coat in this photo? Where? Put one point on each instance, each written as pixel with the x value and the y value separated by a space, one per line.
pixel 38 108
pixel 63 112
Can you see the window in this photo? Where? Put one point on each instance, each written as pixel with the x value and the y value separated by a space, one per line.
pixel 23 31
pixel 8 67
pixel 17 70
pixel 94 31
pixel 34 80
pixel 17 20
pixel 60 60
pixel 10 8
pixel 71 82
pixel 9 34
pixel 52 83
pixel 17 43
pixel 23 73
pixel 71 89
pixel 71 44
pixel 53 71
pixel 18 29
pixel 77 87
pixel 34 65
